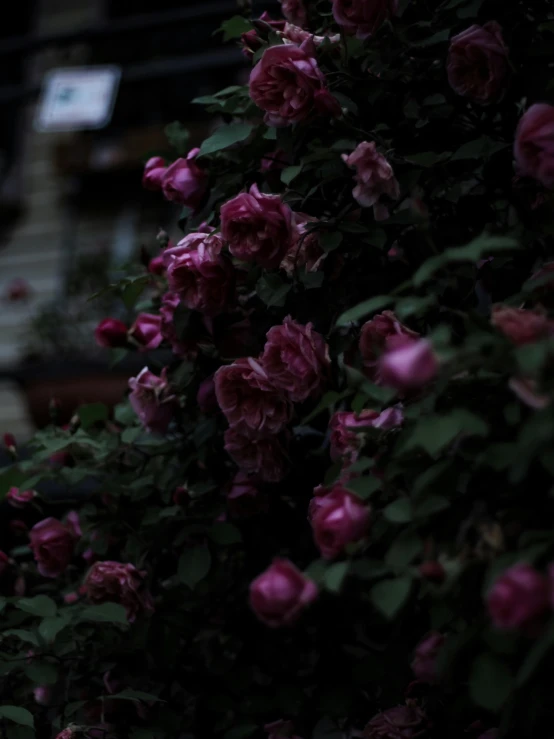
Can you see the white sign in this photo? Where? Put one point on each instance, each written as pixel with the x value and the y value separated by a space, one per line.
pixel 77 98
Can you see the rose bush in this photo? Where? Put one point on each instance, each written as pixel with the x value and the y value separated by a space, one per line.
pixel 323 507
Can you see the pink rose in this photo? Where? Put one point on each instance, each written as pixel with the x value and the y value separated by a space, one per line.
pixel 68 733
pixel 296 360
pixel 20 498
pixel 184 182
pixel 347 430
pixel 408 365
pixel 52 544
pixel 259 228
pixel 263 457
pixel 363 17
pixel 200 274
pixel 280 594
pixel 146 331
pixel 280 730
pixel 152 400
pixel 249 399
pixel 401 722
pixel 338 519
pixel 154 172
pixel 374 178
pixel 424 664
pixel 534 144
pixel 251 41
pixel 305 249
pixel 295 11
pixel 289 86
pixel 206 396
pixel 521 326
pixel 111 333
pixel 43 695
pixel 477 64
pixel 156 266
pixel 71 598
pixel 180 348
pixel 376 335
pixel 518 597
pixel 116 582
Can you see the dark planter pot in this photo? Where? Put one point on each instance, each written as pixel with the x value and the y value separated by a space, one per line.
pixel 76 381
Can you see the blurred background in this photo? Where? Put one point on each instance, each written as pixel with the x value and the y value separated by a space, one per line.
pixel 72 209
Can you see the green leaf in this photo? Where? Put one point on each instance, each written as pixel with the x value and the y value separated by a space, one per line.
pixel 40 605
pixel 42 673
pixel 434 433
pixel 428 158
pixel 226 136
pixel 273 290
pixel 132 291
pixel 107 613
pixel 431 475
pixel 235 27
pixel 335 575
pixel 478 149
pixel 480 247
pixel 364 487
pixel 18 715
pixel 92 413
pixel 241 731
pixel 330 240
pixel 289 173
pixel 432 504
pixel 22 634
pixel 437 38
pixel 225 534
pixel 49 628
pixel 194 565
pixel 136 695
pixel 490 682
pixel 536 654
pixel 363 309
pixel 178 136
pixel 389 596
pixel 399 511
pixel 404 549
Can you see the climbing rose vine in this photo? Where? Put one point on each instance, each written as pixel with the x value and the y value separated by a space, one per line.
pixel 324 506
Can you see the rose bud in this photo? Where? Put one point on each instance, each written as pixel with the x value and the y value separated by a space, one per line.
pixel 184 182
pixel 534 144
pixel 408 365
pixel 152 400
pixel 146 331
pixel 518 597
pixel 43 695
pixel 156 266
pixel 281 593
pixel 18 290
pixel 424 664
pixel 154 172
pixel 20 498
pixel 52 544
pixel 9 443
pixel 338 519
pixel 111 333
pixel 374 178
pixel 181 496
pixel 71 598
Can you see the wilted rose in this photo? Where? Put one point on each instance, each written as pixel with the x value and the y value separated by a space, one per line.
pixel 409 365
pixel 401 722
pixel 521 326
pixel 116 582
pixel 111 333
pixel 424 664
pixel 280 594
pixel 249 399
pixel 184 182
pixel 374 178
pixel 289 86
pixel 52 543
pixel 296 360
pixel 363 17
pixel 20 498
pixel 154 171
pixel 534 144
pixel 152 399
pixel 259 228
pixel 477 65
pixel 263 457
pixel 376 336
pixel 305 249
pixel 199 273
pixel 146 331
pixel 339 518
pixel 347 430
pixel 518 597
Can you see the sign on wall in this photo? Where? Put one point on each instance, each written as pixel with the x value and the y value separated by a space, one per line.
pixel 77 98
